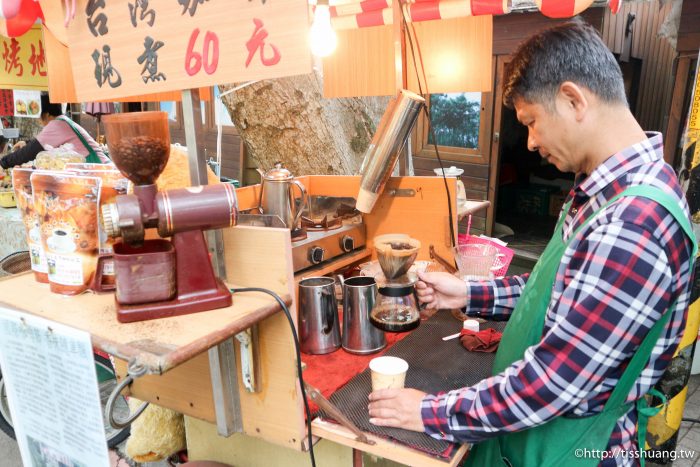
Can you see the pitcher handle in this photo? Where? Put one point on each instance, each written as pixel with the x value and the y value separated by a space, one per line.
pixel 302 205
pixel 329 314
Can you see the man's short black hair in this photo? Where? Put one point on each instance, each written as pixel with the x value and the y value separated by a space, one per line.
pixel 48 108
pixel 572 52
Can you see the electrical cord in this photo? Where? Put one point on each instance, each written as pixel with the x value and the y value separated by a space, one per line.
pixel 691 420
pixel 430 122
pixel 298 355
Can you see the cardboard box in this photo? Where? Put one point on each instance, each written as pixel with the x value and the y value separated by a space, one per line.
pixel 556 202
pixel 533 199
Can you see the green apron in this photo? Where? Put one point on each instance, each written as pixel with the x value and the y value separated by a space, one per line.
pixel 555 443
pixel 92 157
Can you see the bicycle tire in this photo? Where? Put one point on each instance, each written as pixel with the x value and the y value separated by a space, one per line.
pixel 103 366
pixel 114 435
pixel 5 418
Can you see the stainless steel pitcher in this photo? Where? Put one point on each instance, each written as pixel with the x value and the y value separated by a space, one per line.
pixel 359 335
pixel 319 329
pixel 277 195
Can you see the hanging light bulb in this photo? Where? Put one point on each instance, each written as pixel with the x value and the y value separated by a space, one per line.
pixel 322 38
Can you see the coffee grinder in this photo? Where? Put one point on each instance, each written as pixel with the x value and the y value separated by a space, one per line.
pixel 152 282
pixel 397 304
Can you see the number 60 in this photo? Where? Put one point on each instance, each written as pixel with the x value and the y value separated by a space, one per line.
pixel 193 60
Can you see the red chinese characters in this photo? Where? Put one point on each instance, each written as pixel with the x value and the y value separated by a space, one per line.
pixel 257 41
pixel 11 57
pixel 38 59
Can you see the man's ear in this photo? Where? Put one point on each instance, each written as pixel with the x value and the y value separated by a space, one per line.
pixel 574 99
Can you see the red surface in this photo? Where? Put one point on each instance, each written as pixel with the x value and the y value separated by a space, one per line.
pixel 425 11
pixel 558 8
pixel 330 372
pixel 487 7
pixel 370 18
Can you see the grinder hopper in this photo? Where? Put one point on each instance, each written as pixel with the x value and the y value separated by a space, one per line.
pixel 139 145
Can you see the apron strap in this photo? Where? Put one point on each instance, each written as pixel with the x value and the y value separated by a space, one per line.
pixel 643 353
pixel 92 157
pixel 640 358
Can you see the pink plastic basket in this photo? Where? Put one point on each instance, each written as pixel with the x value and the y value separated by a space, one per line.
pixel 505 254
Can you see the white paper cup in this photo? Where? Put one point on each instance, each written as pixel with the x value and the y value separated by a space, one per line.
pixel 388 372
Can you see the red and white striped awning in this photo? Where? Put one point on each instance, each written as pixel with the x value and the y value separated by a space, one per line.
pixel 352 14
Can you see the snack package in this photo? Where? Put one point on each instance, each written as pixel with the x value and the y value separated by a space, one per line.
pixel 68 205
pixel 30 217
pixel 57 158
pixel 113 184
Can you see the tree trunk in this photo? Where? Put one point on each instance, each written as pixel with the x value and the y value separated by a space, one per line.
pixel 287 120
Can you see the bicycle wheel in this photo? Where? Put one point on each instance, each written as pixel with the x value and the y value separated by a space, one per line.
pixel 107 381
pixel 5 418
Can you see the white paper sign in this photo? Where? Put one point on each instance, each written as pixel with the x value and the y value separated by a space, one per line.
pixel 27 104
pixel 52 390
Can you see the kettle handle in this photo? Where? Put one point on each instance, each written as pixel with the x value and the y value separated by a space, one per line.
pixel 262 188
pixel 302 205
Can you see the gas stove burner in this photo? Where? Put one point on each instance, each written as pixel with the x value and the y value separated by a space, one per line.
pixel 325 224
pixel 299 234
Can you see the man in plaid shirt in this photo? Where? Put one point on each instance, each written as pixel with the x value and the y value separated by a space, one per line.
pixel 617 275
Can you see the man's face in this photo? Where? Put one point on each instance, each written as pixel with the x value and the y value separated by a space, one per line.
pixel 550 133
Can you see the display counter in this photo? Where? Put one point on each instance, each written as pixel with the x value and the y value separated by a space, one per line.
pixel 13 237
pixel 179 372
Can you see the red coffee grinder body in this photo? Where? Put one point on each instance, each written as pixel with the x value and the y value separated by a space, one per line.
pixel 139 145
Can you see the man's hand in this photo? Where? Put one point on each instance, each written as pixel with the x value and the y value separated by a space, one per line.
pixel 399 408
pixel 441 290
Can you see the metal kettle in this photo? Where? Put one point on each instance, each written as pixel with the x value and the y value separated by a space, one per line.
pixel 277 195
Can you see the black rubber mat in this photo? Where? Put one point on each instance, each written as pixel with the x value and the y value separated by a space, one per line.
pixel 434 365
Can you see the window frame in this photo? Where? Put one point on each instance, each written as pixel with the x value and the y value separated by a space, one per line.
pixel 480 155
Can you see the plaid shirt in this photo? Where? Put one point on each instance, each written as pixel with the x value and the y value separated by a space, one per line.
pixel 616 278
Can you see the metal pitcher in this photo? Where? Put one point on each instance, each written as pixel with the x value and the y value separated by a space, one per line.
pixel 277 195
pixel 359 335
pixel 319 329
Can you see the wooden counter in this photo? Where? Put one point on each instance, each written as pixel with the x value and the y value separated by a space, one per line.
pixel 159 345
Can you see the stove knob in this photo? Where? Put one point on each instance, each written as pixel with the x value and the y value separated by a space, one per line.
pixel 316 255
pixel 347 243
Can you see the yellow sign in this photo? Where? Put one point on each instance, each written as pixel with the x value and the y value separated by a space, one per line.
pixel 126 48
pixel 23 61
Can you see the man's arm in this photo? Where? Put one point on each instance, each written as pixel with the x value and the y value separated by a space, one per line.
pixel 617 286
pixel 494 299
pixel 24 154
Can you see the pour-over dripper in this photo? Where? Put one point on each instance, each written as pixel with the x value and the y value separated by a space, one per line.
pixel 396 254
pixel 139 144
pixel 397 307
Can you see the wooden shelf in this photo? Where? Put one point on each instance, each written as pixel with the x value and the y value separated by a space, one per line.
pixel 383 447
pixel 159 344
pixel 466 207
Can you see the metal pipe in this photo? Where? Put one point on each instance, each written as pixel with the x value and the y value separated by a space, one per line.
pixel 388 141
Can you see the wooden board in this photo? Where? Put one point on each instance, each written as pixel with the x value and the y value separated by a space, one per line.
pixel 383 447
pixel 423 216
pixel 362 64
pixel 159 345
pixel 62 85
pixel 456 55
pixel 255 257
pixel 159 46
